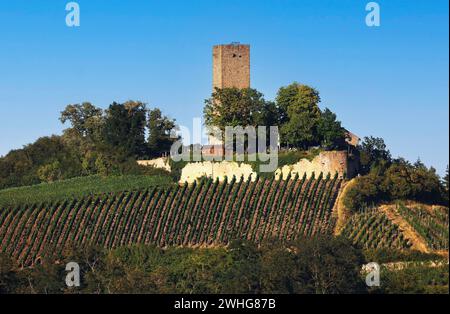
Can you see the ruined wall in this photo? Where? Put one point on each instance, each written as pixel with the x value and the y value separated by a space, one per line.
pixel 231 66
pixel 196 170
pixel 327 162
pixel 331 162
pixel 162 163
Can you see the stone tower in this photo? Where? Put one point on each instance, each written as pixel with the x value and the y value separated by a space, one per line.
pixel 231 66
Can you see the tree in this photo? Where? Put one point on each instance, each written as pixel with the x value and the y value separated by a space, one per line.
pixel 298 97
pixel 278 265
pixel 92 260
pixel 445 189
pixel 299 115
pixel 125 127
pixel 86 119
pixel 8 276
pixel 50 172
pixel 446 180
pixel 373 152
pixel 238 107
pixel 399 181
pixel 85 135
pixel 331 133
pixel 160 128
pixel 327 265
pixel 405 181
pixel 366 191
pixel 46 158
pixel 44 278
pixel 245 271
pixel 301 130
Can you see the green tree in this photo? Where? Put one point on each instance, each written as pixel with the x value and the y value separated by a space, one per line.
pixel 299 115
pixel 278 268
pixel 373 153
pixel 245 272
pixel 366 191
pixel 85 135
pixel 331 133
pixel 50 172
pixel 327 265
pixel 405 181
pixel 300 131
pixel 445 187
pixel 26 166
pixel 86 120
pixel 399 181
pixel 92 262
pixel 160 128
pixel 298 97
pixel 125 127
pixel 238 107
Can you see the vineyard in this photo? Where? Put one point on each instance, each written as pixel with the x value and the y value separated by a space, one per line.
pixel 78 188
pixel 372 229
pixel 431 225
pixel 202 214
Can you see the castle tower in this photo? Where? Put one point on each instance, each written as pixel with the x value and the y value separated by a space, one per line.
pixel 231 66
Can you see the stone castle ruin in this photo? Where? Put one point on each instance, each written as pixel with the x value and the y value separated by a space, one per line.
pixel 231 69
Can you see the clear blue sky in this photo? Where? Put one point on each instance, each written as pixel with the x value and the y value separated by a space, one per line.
pixel 390 81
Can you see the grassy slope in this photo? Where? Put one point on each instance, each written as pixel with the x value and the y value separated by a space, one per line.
pixel 83 186
pixel 78 187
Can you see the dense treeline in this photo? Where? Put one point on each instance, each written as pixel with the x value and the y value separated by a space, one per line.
pixel 104 142
pixel 313 266
pixel 385 179
pixel 302 124
pixel 321 265
pixel 415 279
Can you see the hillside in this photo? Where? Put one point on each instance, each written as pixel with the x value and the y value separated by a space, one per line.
pixel 373 230
pixel 203 214
pixel 415 226
pixel 78 188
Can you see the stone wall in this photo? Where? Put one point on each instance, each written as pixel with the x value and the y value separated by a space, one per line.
pixel 195 170
pixel 162 163
pixel 331 162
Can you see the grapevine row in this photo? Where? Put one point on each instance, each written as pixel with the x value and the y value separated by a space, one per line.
pixel 205 213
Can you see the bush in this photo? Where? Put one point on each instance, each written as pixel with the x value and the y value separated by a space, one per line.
pixel 8 276
pixel 327 265
pixel 400 181
pixel 382 256
pixel 414 279
pixel 365 192
pixel 323 265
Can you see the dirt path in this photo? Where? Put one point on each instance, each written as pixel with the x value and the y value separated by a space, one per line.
pixel 339 209
pixel 418 243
